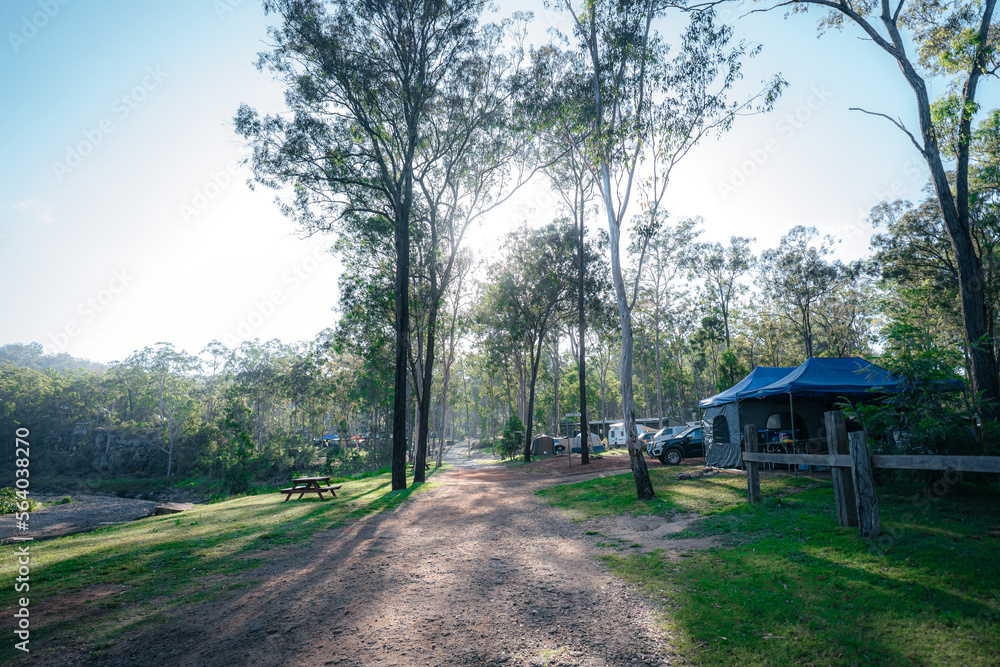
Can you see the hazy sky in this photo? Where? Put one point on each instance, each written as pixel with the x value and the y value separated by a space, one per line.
pixel 125 219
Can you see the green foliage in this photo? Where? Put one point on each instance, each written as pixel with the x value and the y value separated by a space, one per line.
pixel 927 417
pixel 513 427
pixel 731 370
pixel 9 501
pixel 513 437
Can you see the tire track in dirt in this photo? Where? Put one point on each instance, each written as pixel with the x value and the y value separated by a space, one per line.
pixel 476 572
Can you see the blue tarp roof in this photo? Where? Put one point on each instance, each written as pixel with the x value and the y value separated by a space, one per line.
pixel 759 377
pixel 830 377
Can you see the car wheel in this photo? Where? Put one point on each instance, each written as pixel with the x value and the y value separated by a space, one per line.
pixel 672 457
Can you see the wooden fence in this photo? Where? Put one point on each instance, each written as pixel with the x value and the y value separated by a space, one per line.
pixel 851 467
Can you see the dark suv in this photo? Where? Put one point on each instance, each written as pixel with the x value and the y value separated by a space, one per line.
pixel 687 444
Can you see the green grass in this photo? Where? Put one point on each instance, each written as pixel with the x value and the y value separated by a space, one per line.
pixel 791 587
pixel 616 495
pixel 165 563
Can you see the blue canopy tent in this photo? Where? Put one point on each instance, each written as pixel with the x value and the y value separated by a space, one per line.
pixel 721 422
pixel 820 377
pixel 793 401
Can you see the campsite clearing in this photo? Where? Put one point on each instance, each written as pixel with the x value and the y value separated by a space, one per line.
pixel 478 571
pixel 789 586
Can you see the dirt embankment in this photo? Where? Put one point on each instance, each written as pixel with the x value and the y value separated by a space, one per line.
pixel 84 513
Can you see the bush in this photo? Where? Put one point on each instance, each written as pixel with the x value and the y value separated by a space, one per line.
pixel 9 501
pixel 928 417
pixel 513 437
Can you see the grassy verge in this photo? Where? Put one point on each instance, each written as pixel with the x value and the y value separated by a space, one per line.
pixel 791 587
pixel 96 586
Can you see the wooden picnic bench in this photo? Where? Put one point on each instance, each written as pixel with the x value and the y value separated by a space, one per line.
pixel 304 485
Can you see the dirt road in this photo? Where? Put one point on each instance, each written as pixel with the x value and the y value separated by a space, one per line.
pixel 475 572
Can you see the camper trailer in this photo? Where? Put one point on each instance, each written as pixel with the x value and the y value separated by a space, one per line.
pixel 617 436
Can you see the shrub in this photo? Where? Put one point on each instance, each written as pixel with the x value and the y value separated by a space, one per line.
pixel 928 417
pixel 513 437
pixel 9 502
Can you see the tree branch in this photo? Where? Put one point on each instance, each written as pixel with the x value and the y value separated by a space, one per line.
pixel 895 122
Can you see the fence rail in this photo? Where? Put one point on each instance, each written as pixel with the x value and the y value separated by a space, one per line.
pixel 851 468
pixel 840 460
pixel 895 462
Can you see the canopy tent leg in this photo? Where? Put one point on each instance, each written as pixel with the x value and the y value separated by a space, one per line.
pixel 791 411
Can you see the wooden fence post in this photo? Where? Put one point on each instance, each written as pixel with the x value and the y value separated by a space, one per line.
pixel 753 468
pixel 869 522
pixel 843 480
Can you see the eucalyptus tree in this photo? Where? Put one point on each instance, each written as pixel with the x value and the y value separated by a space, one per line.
pixel 530 287
pixel 256 370
pixel 798 278
pixel 911 245
pixel 669 255
pixel 476 156
pixel 557 98
pixel 849 316
pixel 653 111
pixel 171 373
pixel 681 322
pixel 721 268
pixel 361 77
pixel 455 329
pixel 956 46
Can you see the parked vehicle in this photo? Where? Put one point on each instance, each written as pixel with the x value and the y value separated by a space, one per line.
pixel 668 432
pixel 616 435
pixel 687 444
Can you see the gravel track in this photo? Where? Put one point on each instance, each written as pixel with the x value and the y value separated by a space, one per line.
pixel 478 571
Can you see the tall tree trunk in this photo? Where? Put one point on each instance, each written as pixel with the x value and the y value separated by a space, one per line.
pixel 414 391
pixel 471 430
pixel 659 370
pixel 444 413
pixel 644 366
pixel 529 422
pixel 584 420
pixel 420 460
pixel 643 485
pixel 555 382
pixel 402 232
pixel 678 364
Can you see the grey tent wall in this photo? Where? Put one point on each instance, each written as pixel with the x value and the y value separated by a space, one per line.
pixel 722 454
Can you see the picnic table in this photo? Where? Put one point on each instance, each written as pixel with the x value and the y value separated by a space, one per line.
pixel 304 485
